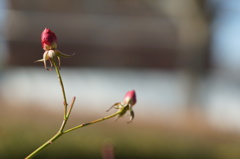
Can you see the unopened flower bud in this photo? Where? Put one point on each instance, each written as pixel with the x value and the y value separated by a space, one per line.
pixel 49 44
pixel 48 39
pixel 130 98
pixel 126 105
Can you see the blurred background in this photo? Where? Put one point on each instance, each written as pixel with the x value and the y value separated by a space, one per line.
pixel 181 57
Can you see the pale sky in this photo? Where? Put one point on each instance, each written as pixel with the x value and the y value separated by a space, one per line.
pixel 226 35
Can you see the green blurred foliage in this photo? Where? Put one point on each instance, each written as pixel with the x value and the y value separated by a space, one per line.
pixel 20 135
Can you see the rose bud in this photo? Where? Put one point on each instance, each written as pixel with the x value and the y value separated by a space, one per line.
pixel 48 39
pixel 130 98
pixel 126 105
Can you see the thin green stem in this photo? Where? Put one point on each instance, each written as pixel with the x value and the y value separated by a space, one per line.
pixel 93 122
pixel 65 119
pixel 50 141
pixel 71 106
pixel 62 86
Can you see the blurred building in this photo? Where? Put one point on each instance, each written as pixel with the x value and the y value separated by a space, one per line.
pixel 157 34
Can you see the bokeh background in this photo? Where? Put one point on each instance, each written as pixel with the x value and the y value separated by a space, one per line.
pixel 181 56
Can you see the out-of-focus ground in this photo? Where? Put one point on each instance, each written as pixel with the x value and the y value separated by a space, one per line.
pixel 23 130
pixel 180 56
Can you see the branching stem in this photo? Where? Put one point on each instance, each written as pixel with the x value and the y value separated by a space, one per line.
pixel 67 112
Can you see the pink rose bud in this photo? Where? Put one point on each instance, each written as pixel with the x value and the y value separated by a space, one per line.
pixel 48 39
pixel 130 98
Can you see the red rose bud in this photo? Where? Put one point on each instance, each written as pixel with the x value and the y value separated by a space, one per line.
pixel 130 98
pixel 49 44
pixel 48 39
